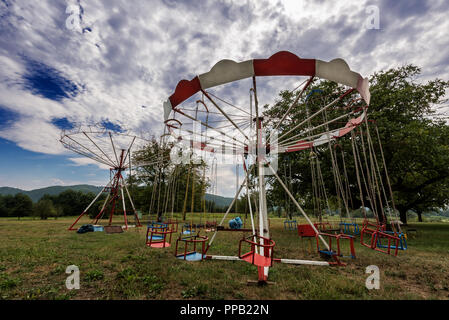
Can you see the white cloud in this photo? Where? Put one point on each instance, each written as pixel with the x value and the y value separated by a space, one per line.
pixel 57 182
pixel 88 161
pixel 136 52
pixel 31 133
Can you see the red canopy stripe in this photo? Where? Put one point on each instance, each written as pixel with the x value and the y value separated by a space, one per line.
pixel 284 63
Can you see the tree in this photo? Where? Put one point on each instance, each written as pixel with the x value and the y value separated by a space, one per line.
pixel 59 212
pixel 8 205
pixel 3 208
pixel 70 202
pixel 160 179
pixel 44 208
pixel 22 207
pixel 415 142
pixel 430 198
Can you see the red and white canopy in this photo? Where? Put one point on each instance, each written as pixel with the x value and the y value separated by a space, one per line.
pixel 283 63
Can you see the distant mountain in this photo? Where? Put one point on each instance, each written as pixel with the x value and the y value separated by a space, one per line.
pixel 219 200
pixel 10 191
pixel 36 194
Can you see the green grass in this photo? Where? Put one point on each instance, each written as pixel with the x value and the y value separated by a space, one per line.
pixel 35 254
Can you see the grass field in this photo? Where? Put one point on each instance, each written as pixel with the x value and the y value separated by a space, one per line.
pixel 34 256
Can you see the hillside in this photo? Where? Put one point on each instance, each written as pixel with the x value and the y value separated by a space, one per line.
pixel 219 200
pixel 10 191
pixel 36 194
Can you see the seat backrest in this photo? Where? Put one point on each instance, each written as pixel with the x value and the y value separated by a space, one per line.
pixel 306 230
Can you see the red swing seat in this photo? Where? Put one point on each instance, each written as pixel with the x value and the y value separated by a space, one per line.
pixel 193 255
pixel 252 256
pixel 172 225
pixel 326 227
pixel 376 232
pixel 157 235
pixel 337 237
pixel 211 226
pixel 306 230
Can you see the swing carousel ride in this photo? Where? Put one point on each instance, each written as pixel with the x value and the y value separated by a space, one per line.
pixel 198 117
pixel 110 148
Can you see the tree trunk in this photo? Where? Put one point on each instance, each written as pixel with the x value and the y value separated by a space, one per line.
pixel 419 216
pixel 403 215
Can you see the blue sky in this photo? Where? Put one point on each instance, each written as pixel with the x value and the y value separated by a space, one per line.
pixel 125 58
pixel 24 168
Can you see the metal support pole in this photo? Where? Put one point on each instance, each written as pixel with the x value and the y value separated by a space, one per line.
pixel 299 207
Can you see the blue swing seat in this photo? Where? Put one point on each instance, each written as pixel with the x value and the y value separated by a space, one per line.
pixel 157 225
pixel 290 225
pixel 191 256
pixel 350 228
pixel 155 237
pixel 327 252
pixel 402 241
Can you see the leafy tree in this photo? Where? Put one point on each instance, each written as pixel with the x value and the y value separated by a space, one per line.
pixel 70 202
pixel 159 179
pixel 430 198
pixel 44 208
pixel 22 206
pixel 8 205
pixel 3 208
pixel 59 211
pixel 415 142
pixel 3 212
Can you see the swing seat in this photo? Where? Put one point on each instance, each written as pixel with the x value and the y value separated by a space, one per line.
pixel 290 225
pixel 376 235
pixel 160 245
pixel 211 226
pixel 325 227
pixel 306 230
pixel 337 237
pixel 326 254
pixel 265 260
pixel 156 241
pixel 172 224
pixel 350 228
pixel 256 259
pixel 369 230
pixel 192 255
pixel 157 225
pixel 157 235
pixel 402 241
pixel 190 229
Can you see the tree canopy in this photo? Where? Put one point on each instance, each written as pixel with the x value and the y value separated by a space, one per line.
pixel 415 141
pixel 165 185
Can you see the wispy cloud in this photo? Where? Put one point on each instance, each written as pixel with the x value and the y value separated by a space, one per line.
pixel 129 56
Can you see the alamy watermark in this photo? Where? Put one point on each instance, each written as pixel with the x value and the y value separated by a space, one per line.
pixel 373 281
pixel 73 21
pixel 373 19
pixel 72 281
